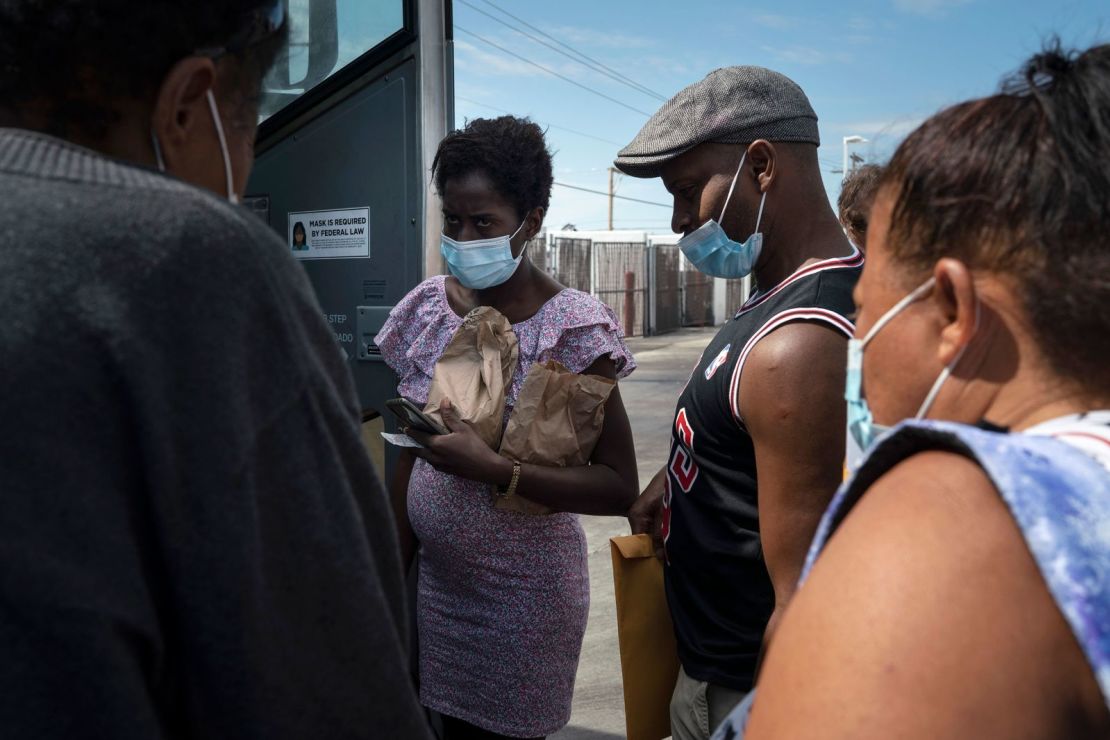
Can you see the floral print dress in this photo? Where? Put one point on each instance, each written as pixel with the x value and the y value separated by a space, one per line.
pixel 502 596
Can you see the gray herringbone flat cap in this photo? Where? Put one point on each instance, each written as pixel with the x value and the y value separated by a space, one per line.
pixel 732 105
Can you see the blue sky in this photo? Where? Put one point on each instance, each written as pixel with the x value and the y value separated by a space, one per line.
pixel 873 68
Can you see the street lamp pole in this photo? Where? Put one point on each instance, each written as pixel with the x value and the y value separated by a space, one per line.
pixel 850 140
pixel 612 192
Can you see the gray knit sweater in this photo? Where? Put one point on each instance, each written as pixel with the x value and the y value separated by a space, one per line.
pixel 183 490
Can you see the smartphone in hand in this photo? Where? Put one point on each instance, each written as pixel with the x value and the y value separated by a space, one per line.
pixel 411 416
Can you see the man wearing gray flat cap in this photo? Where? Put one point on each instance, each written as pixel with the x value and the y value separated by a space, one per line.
pixel 758 436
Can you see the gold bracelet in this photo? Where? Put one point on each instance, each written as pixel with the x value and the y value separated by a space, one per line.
pixel 513 483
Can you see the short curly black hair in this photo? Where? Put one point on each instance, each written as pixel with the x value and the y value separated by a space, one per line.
pixel 76 58
pixel 510 151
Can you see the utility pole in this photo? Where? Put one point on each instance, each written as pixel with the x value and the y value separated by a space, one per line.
pixel 850 140
pixel 612 171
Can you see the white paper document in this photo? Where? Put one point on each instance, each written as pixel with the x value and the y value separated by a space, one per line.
pixel 400 440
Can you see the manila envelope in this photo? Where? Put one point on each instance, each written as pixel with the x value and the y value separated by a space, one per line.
pixel 649 657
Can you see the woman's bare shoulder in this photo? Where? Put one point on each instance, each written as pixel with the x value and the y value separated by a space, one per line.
pixel 926 616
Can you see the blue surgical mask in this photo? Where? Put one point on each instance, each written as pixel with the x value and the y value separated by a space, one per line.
pixel 481 263
pixel 862 430
pixel 712 252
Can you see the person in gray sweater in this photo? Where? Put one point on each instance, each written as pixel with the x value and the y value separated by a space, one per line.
pixel 193 542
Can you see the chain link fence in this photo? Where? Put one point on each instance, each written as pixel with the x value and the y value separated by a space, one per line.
pixel 571 262
pixel 667 286
pixel 620 281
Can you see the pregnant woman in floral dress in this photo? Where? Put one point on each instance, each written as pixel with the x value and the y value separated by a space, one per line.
pixel 503 596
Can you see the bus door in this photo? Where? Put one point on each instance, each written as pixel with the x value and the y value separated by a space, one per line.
pixel 351 115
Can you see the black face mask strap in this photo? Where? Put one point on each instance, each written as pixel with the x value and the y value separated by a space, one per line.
pixel 987 426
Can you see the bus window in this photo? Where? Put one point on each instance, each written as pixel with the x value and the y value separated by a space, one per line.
pixel 325 36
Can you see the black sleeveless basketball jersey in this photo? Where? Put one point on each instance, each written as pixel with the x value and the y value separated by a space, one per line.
pixel 718 589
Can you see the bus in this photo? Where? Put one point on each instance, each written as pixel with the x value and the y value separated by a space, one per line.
pixel 351 116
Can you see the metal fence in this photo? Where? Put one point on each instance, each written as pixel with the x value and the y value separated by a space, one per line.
pixel 697 298
pixel 736 293
pixel 538 249
pixel 650 287
pixel 571 262
pixel 620 280
pixel 666 273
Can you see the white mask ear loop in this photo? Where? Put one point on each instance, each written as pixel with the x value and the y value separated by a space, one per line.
pixel 157 151
pixel 733 186
pixel 518 228
pixel 231 195
pixel 759 216
pixel 947 371
pixel 897 309
pixel 525 247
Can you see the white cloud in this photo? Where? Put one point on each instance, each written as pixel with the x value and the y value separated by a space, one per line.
pixel 928 8
pixel 807 55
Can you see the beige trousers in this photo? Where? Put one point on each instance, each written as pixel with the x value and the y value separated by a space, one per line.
pixel 697 707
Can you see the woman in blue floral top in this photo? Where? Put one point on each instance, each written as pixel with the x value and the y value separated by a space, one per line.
pixel 959 585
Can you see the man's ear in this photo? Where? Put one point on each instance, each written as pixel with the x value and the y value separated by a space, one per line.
pixel 957 303
pixel 763 159
pixel 181 106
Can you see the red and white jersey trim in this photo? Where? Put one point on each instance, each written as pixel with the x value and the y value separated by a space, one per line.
pixel 855 259
pixel 832 318
pixel 1089 433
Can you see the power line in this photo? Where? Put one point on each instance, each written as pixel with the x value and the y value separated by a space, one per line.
pixel 549 125
pixel 551 71
pixel 619 197
pixel 595 66
pixel 646 90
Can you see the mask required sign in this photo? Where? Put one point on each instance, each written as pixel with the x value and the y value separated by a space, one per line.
pixel 344 233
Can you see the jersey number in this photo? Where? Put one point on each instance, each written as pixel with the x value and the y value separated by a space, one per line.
pixel 683 468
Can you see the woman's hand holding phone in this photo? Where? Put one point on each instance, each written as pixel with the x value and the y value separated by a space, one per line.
pixel 461 451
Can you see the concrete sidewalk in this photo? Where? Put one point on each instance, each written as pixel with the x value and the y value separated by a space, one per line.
pixel 649 394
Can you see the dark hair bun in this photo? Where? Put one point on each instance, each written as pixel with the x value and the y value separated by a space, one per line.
pixel 1045 69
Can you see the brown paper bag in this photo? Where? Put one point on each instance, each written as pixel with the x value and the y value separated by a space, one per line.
pixel 556 422
pixel 474 372
pixel 649 658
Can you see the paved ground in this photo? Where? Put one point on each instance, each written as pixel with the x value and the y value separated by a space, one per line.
pixel 649 394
